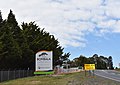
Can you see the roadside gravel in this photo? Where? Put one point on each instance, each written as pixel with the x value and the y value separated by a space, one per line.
pixel 81 79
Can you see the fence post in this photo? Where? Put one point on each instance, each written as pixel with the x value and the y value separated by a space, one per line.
pixel 14 74
pixel 28 72
pixel 19 73
pixel 8 74
pixel 23 72
pixel 1 75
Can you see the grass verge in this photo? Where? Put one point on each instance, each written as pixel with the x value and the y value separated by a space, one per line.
pixel 118 69
pixel 64 79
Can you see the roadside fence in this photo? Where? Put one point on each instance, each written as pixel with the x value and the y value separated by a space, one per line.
pixel 14 74
pixel 6 75
pixel 61 70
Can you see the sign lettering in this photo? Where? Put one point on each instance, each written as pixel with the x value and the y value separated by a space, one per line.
pixel 44 61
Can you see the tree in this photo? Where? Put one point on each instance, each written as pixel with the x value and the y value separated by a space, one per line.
pixel 1 20
pixel 13 25
pixel 1 23
pixel 95 56
pixel 18 45
pixel 110 63
pixel 11 19
pixel 80 61
pixel 65 56
pixel 100 61
pixel 1 17
pixel 37 39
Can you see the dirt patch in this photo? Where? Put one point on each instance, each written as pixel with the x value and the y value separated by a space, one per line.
pixel 34 82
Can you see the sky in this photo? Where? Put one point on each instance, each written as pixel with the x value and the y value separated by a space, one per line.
pixel 83 27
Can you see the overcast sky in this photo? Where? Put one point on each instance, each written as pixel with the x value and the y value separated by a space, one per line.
pixel 83 27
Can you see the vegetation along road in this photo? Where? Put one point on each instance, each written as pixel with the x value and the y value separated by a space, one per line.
pixel 78 78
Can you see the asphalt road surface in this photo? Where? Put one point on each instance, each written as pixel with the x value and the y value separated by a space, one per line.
pixel 110 74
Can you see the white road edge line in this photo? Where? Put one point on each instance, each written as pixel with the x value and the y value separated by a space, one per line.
pixel 107 77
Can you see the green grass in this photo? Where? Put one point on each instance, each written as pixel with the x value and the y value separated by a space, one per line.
pixel 65 79
pixel 42 72
pixel 41 80
pixel 118 69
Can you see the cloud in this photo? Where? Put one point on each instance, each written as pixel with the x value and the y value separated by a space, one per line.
pixel 69 20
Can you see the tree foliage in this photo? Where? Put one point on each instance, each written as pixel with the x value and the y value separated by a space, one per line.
pixel 100 62
pixel 19 44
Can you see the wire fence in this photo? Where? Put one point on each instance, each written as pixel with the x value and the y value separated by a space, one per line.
pixel 14 74
pixel 6 75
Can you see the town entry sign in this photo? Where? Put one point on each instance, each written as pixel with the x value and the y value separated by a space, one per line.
pixel 44 62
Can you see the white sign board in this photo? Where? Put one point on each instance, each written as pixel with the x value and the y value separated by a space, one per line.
pixel 44 61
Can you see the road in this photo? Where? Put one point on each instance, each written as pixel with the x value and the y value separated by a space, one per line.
pixel 110 74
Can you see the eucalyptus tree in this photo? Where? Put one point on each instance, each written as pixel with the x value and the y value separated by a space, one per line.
pixel 110 62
